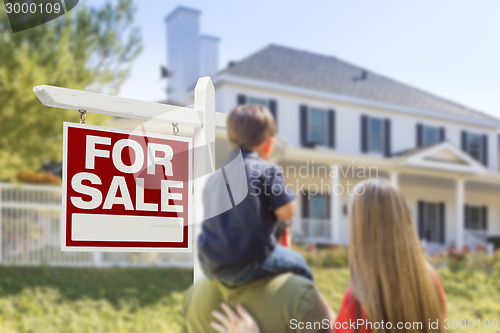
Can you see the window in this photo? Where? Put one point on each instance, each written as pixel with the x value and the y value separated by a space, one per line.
pixel 318 205
pixel 475 217
pixel 430 135
pixel 317 126
pixel 473 145
pixel 271 104
pixel 375 135
pixel 258 101
pixel 316 214
pixel 431 222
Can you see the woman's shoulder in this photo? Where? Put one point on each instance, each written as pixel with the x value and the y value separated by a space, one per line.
pixel 439 285
pixel 435 276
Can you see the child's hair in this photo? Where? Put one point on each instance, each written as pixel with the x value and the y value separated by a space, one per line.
pixel 250 125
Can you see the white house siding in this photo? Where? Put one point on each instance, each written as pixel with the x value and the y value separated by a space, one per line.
pixel 347 126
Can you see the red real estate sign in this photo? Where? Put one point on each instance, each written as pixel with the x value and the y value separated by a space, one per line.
pixel 125 191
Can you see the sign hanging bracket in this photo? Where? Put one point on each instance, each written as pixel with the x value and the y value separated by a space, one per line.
pixel 83 115
pixel 175 129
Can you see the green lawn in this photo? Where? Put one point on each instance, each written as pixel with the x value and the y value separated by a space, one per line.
pixel 149 300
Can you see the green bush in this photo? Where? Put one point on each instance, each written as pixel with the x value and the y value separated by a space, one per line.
pixel 337 256
pixel 332 256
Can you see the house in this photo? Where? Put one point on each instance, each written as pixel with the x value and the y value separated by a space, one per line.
pixel 340 123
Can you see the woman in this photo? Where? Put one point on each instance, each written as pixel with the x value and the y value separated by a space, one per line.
pixel 392 288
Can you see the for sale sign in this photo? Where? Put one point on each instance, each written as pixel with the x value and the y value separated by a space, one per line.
pixel 125 191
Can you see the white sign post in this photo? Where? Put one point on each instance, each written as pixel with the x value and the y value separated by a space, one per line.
pixel 202 118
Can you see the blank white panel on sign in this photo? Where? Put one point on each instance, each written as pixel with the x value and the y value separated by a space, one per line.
pixel 98 227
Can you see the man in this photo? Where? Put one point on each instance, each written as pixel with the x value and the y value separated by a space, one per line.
pixel 281 303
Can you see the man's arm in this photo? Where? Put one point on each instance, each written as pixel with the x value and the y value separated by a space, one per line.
pixel 312 308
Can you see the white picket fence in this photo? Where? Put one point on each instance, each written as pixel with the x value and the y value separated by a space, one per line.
pixel 30 234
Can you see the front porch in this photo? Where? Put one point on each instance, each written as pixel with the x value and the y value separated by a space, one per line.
pixel 453 201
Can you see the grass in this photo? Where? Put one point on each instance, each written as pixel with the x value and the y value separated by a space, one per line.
pixel 91 300
pixel 41 299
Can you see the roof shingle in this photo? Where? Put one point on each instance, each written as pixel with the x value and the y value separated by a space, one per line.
pixel 308 70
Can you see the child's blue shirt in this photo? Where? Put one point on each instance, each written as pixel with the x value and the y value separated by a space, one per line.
pixel 244 233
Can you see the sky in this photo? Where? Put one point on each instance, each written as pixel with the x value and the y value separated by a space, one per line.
pixel 447 47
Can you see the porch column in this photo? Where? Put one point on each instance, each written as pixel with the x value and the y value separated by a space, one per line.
pixel 335 204
pixel 459 207
pixel 395 178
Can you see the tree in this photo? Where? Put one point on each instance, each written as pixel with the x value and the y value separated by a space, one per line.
pixel 88 48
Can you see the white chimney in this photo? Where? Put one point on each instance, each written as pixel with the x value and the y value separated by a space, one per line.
pixel 183 53
pixel 209 55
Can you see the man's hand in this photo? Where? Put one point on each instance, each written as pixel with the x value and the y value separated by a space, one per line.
pixel 232 322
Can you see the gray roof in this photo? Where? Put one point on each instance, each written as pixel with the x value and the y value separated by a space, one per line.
pixel 308 70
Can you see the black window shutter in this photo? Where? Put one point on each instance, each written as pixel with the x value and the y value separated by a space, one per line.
pixel 331 128
pixel 442 223
pixel 420 135
pixel 273 107
pixel 387 137
pixel 466 217
pixel 421 233
pixel 241 99
pixel 442 134
pixel 485 150
pixel 364 134
pixel 303 126
pixel 464 141
pixel 328 206
pixel 305 205
pixel 484 216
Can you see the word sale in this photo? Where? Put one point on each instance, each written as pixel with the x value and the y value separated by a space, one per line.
pixel 119 183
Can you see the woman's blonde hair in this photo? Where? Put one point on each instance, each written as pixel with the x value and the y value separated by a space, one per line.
pixel 389 275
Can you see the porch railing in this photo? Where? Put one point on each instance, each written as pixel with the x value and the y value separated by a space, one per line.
pixel 477 238
pixel 30 234
pixel 315 230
